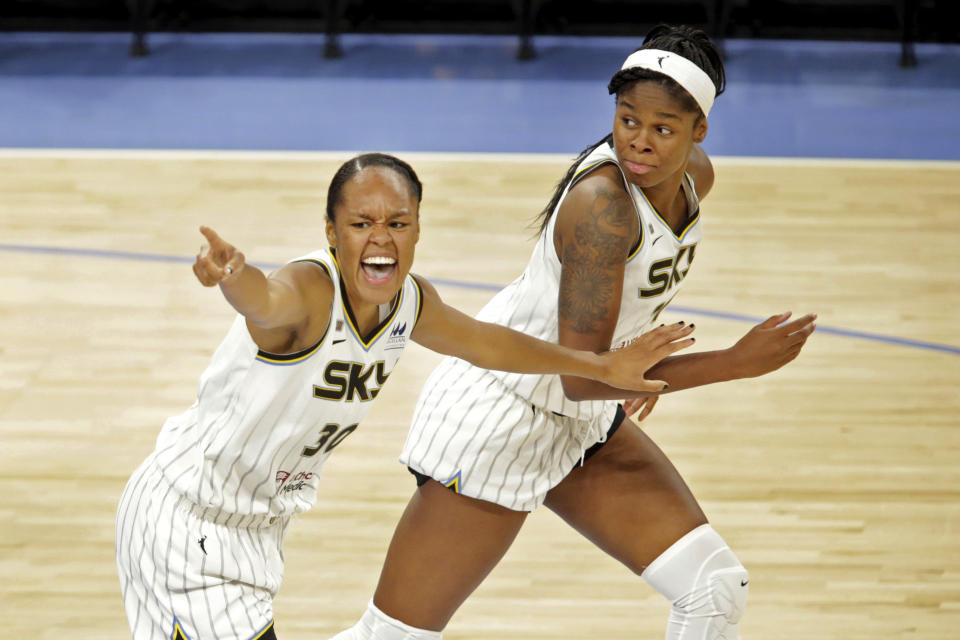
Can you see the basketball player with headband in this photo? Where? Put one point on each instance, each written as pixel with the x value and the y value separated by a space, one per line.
pixel 616 244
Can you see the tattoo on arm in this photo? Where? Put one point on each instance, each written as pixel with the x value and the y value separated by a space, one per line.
pixel 601 241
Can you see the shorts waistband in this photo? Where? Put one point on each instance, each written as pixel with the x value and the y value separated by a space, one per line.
pixel 216 515
pixel 235 520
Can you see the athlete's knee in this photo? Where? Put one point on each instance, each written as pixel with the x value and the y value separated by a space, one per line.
pixel 376 625
pixel 704 582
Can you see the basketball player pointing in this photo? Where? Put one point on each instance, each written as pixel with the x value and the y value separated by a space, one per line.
pixel 616 242
pixel 201 523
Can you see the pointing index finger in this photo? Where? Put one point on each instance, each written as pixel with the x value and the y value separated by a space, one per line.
pixel 209 234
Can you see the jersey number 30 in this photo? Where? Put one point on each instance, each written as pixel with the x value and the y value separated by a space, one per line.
pixel 330 436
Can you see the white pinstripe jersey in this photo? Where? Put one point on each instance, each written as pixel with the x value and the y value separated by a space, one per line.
pixel 254 441
pixel 654 273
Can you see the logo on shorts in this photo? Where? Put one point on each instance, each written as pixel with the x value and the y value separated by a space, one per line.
pixel 453 483
pixel 296 482
pixel 178 633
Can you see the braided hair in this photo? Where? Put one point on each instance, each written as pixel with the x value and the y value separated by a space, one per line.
pixel 689 42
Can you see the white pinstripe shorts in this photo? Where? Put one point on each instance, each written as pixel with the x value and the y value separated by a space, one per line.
pixel 212 574
pixel 476 436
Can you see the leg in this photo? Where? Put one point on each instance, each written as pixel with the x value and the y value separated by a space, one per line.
pixel 444 546
pixel 630 501
pixel 183 574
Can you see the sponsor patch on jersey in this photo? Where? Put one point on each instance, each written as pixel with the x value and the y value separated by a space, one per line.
pixel 397 338
pixel 287 483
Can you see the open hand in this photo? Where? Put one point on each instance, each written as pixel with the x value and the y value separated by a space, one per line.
pixel 771 344
pixel 218 260
pixel 632 405
pixel 627 366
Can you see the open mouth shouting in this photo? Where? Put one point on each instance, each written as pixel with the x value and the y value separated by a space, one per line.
pixel 378 269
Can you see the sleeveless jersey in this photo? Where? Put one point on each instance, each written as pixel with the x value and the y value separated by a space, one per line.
pixel 654 273
pixel 255 439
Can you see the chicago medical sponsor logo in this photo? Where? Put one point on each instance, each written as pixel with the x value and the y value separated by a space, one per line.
pixel 287 483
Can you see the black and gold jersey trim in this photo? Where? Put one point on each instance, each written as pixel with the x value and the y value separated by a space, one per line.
pixel 626 184
pixel 378 330
pixel 691 221
pixel 419 288
pixel 264 633
pixel 178 632
pixel 287 359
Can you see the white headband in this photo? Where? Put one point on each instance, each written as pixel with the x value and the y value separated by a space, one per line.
pixel 687 74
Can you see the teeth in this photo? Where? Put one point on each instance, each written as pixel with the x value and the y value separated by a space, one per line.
pixel 379 260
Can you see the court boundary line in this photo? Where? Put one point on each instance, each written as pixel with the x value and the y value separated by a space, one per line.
pixel 256 155
pixel 723 315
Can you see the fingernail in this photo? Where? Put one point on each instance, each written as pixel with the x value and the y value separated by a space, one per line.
pixel 665 387
pixel 693 326
pixel 681 322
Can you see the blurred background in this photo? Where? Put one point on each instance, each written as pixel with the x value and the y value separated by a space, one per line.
pixel 898 20
pixel 809 78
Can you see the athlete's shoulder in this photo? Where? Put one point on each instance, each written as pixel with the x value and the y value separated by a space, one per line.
pixel 425 290
pixel 602 155
pixel 322 258
pixel 701 171
pixel 602 190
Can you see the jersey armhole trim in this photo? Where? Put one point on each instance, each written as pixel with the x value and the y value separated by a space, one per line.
pixel 287 359
pixel 419 301
pixel 585 171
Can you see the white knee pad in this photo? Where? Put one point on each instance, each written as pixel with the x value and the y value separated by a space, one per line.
pixel 704 582
pixel 376 625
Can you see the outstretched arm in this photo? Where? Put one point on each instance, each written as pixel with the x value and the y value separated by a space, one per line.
pixel 765 348
pixel 491 346
pixel 287 308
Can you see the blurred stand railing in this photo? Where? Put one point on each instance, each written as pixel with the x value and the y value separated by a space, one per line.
pixel 905 20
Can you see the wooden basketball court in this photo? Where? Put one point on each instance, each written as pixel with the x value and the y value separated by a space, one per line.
pixel 836 480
